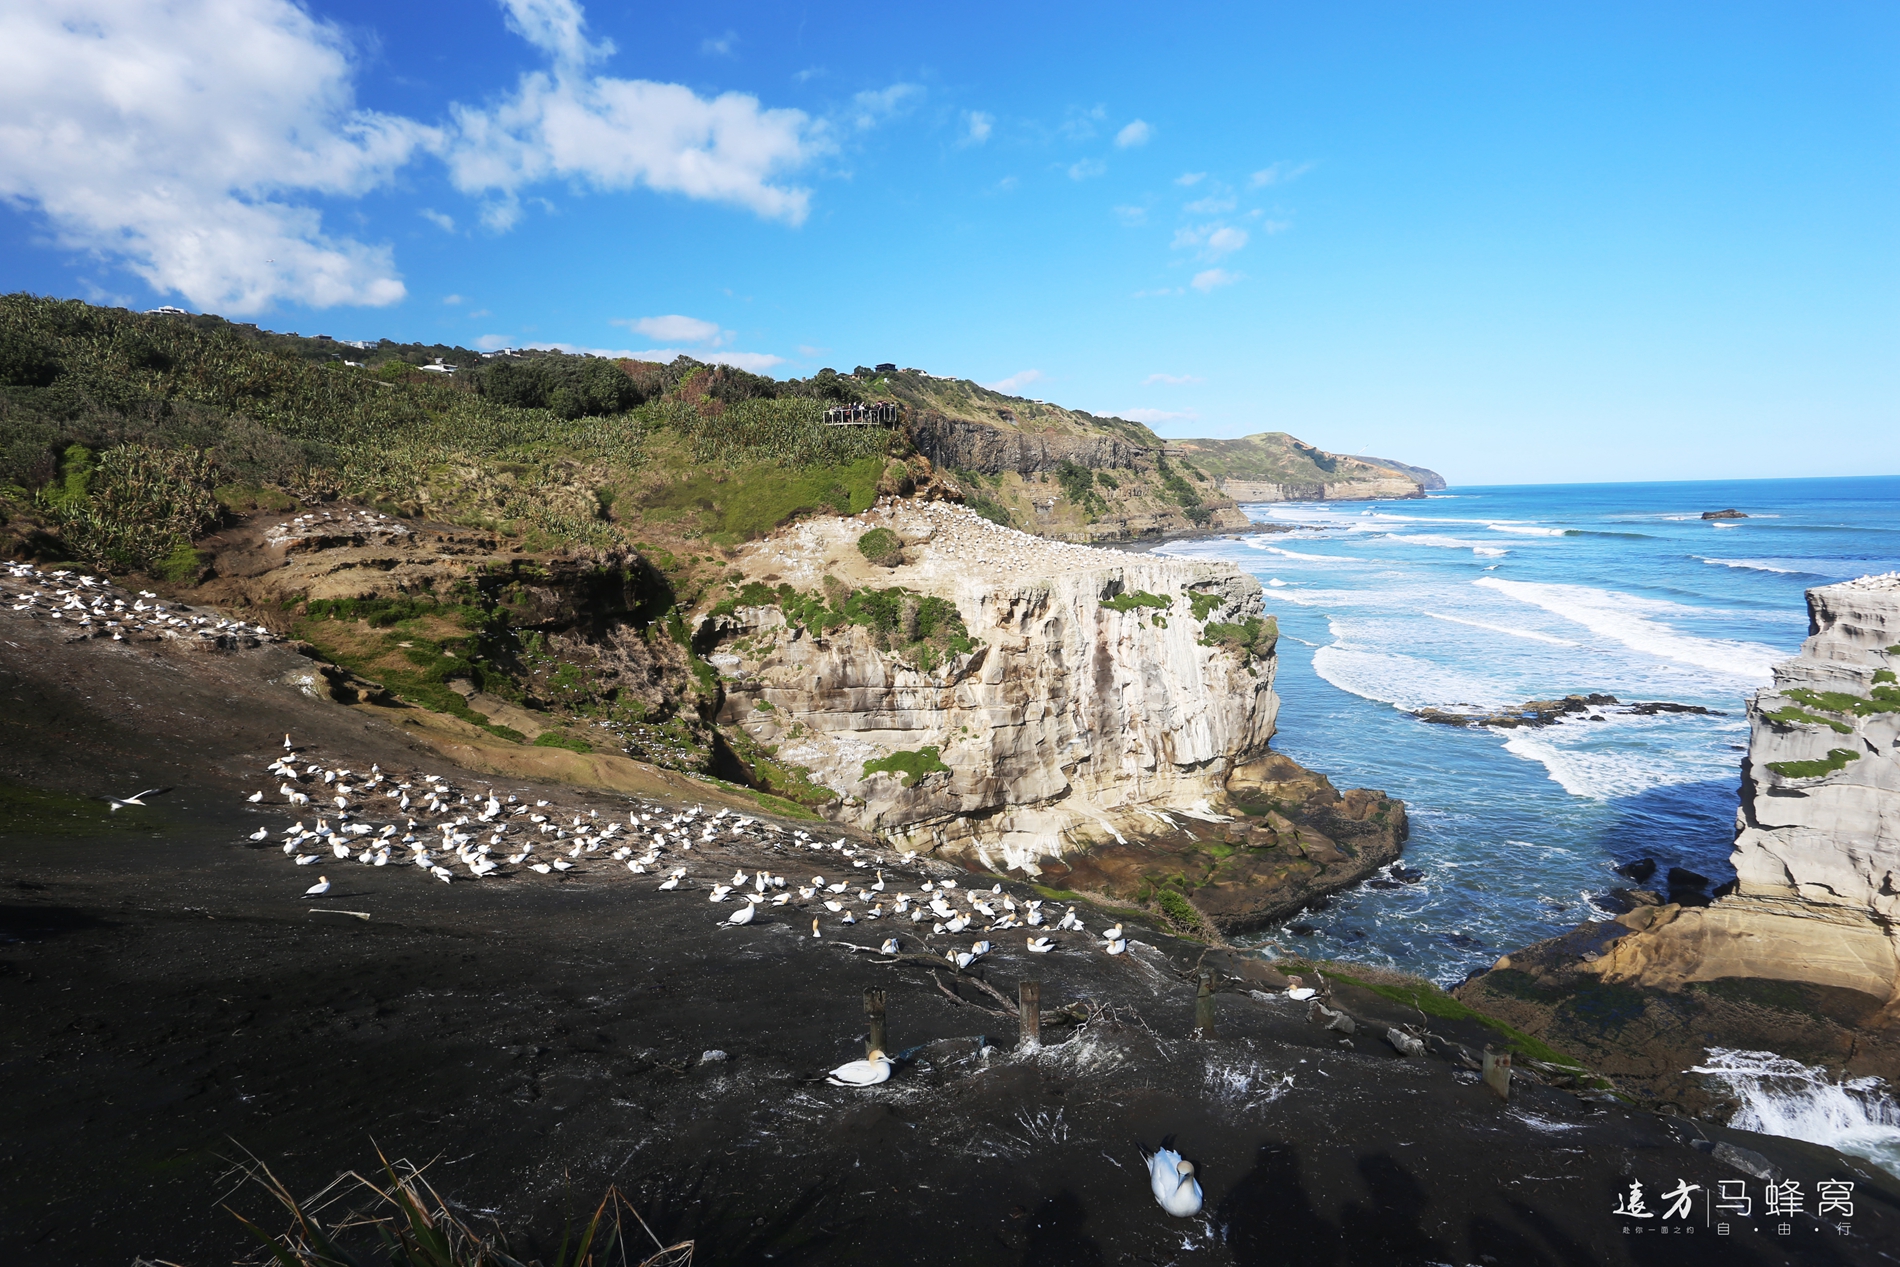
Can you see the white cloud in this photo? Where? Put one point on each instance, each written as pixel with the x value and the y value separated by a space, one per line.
pixel 1212 240
pixel 186 141
pixel 142 137
pixel 1208 279
pixel 1079 125
pixel 806 349
pixel 623 133
pixel 1212 205
pixel 720 45
pixel 1278 174
pixel 1190 179
pixel 677 329
pixel 452 300
pixel 1131 216
pixel 480 312
pixel 555 27
pixel 874 106
pixel 1172 380
pixel 976 127
pixel 1015 382
pixel 1157 415
pixel 1087 168
pixel 446 223
pixel 1136 133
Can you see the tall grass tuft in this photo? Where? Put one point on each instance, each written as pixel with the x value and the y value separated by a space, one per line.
pixel 416 1227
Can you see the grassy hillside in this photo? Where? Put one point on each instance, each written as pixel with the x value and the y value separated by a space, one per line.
pixel 1274 457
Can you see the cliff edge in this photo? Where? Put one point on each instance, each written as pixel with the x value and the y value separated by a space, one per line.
pixel 1817 844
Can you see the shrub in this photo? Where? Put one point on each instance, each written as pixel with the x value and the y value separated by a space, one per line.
pixel 1139 598
pixel 880 545
pixel 1837 759
pixel 912 765
pixel 1252 638
pixel 553 739
pixel 1203 602
pixel 136 509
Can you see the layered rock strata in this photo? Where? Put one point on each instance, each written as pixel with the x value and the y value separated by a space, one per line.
pixel 1091 706
pixel 1817 848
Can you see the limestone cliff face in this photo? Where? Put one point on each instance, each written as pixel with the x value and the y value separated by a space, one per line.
pixel 1081 715
pixel 1817 846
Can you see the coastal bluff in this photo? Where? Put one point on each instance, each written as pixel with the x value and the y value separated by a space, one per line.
pixel 1799 955
pixel 1817 844
pixel 1100 701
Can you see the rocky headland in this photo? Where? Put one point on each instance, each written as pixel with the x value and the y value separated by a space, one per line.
pixel 1800 955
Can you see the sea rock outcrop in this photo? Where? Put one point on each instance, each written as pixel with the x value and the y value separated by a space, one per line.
pixel 1817 846
pixel 1098 693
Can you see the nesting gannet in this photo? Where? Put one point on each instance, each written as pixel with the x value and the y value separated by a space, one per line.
pixel 743 915
pixel 1113 934
pixel 255 797
pixel 318 889
pixel 870 1071
pixel 1040 945
pixel 1171 1177
pixel 671 882
pixel 260 833
pixel 814 928
pixel 1117 946
pixel 1301 993
pixel 890 946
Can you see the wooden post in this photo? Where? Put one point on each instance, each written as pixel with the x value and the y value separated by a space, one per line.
pixel 1204 1007
pixel 1497 1071
pixel 874 1012
pixel 1029 1005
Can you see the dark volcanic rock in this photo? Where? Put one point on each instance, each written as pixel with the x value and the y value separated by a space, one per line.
pixel 1300 840
pixel 1723 514
pixel 1639 870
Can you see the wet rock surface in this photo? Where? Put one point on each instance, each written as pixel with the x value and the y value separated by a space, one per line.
pixel 1548 712
pixel 165 995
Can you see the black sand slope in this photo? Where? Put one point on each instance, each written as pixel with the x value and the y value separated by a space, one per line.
pixel 166 995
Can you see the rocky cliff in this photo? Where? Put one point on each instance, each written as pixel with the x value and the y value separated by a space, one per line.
pixel 1817 845
pixel 1276 467
pixel 1027 701
pixel 1084 699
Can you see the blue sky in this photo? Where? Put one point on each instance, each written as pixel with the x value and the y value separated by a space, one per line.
pixel 1514 243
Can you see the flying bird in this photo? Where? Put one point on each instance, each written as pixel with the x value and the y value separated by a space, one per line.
pixel 120 802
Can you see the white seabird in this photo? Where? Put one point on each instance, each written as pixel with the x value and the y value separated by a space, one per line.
pixel 1171 1177
pixel 870 1071
pixel 120 802
pixel 318 889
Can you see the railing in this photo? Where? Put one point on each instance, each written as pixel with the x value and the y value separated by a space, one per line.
pixel 881 414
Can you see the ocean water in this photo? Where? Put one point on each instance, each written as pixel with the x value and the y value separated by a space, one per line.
pixel 1487 597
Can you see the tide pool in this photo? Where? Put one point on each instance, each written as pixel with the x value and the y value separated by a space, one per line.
pixel 1487 597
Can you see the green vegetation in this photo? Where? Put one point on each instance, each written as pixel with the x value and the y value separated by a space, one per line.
pixel 554 739
pixel 1182 493
pixel 1837 759
pixel 1078 485
pixel 1885 699
pixel 1883 675
pixel 912 765
pixel 923 627
pixel 134 508
pixel 1794 716
pixel 1432 1001
pixel 1179 910
pixel 1203 602
pixel 1274 457
pixel 1251 639
pixel 880 545
pixel 1139 598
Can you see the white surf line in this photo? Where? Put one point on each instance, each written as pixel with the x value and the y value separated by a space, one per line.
pixel 1515 633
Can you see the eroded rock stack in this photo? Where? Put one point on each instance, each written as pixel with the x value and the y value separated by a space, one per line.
pixel 1817 846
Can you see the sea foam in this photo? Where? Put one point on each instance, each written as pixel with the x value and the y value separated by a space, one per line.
pixel 1628 619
